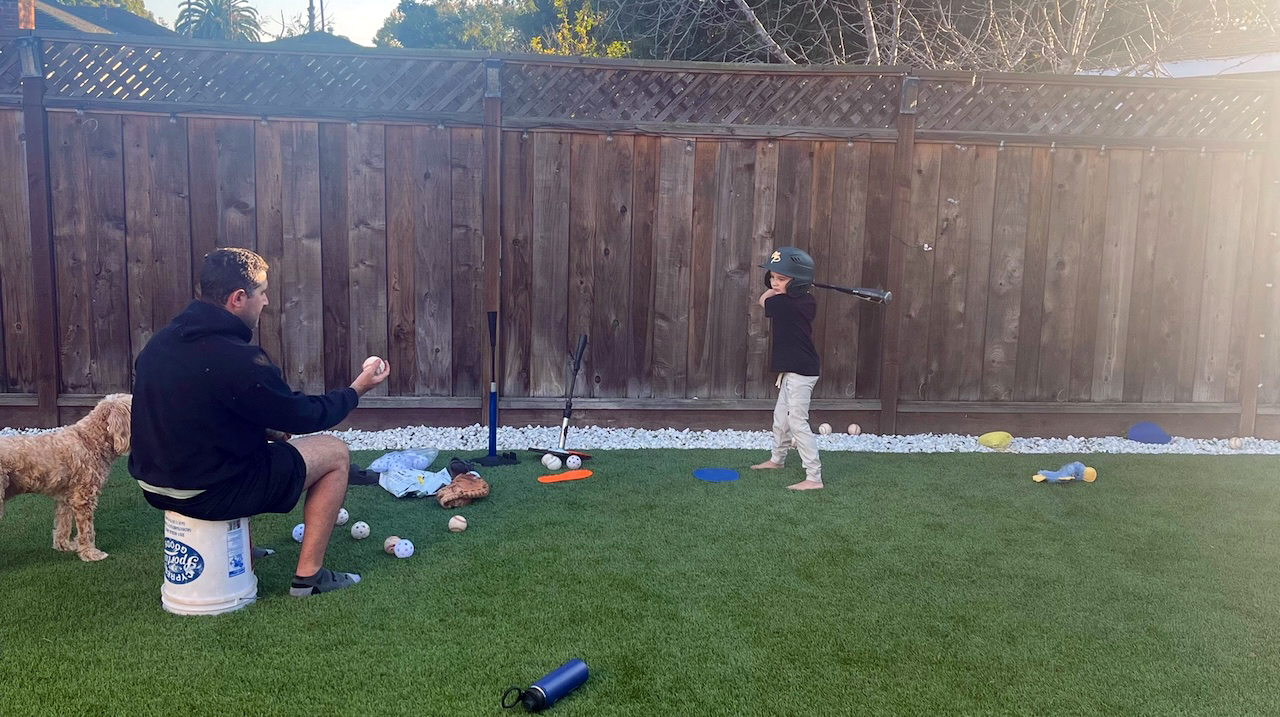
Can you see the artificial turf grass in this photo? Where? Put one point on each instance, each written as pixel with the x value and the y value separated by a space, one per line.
pixel 913 584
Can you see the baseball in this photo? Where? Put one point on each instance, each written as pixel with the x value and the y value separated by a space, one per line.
pixel 854 429
pixel 546 460
pixel 375 361
pixel 404 548
pixel 298 530
pixel 457 524
pixel 343 517
pixel 1235 443
pixel 553 463
pixel 360 530
pixel 824 429
pixel 573 462
pixel 389 544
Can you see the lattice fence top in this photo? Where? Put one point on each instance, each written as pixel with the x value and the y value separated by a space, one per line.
pixel 1234 112
pixel 10 70
pixel 546 93
pixel 263 80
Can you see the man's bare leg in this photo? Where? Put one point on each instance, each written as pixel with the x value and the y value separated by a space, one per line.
pixel 328 461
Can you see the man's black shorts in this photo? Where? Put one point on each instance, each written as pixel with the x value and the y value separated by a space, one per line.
pixel 274 486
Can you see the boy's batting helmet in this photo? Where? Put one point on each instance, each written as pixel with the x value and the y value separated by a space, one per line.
pixel 792 262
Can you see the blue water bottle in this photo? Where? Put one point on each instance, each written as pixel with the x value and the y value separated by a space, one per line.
pixel 550 688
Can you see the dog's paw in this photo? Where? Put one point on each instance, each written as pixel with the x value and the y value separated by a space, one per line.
pixel 92 555
pixel 67 545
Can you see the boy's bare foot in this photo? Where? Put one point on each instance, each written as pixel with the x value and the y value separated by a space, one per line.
pixel 805 485
pixel 767 465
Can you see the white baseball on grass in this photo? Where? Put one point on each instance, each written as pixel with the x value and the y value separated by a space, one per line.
pixel 553 463
pixel 546 460
pixel 375 361
pixel 573 462
pixel 824 429
pixel 389 544
pixel 404 548
pixel 298 530
pixel 457 524
pixel 360 530
pixel 854 429
pixel 343 517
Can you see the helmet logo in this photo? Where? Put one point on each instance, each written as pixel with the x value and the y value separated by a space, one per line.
pixel 775 258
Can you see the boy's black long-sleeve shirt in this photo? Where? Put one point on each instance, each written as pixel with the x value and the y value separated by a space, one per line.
pixel 204 396
pixel 791 330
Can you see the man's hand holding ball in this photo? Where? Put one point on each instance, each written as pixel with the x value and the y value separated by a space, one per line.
pixel 374 372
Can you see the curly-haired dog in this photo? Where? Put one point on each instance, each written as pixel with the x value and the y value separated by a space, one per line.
pixel 70 465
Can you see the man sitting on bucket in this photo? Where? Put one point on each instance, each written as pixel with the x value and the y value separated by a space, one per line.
pixel 204 401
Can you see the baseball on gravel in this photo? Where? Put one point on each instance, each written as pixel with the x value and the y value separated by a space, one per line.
pixel 573 462
pixel 824 429
pixel 854 429
pixel 375 361
pixel 360 530
pixel 404 548
pixel 343 517
pixel 1235 443
pixel 457 524
pixel 298 530
pixel 389 544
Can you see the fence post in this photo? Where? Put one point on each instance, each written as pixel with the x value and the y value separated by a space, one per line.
pixel 899 228
pixel 492 216
pixel 35 132
pixel 1263 277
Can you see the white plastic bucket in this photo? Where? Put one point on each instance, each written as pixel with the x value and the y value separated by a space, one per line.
pixel 208 566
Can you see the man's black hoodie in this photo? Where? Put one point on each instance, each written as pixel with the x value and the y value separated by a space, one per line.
pixel 203 397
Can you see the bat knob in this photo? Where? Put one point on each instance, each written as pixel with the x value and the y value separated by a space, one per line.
pixel 888 296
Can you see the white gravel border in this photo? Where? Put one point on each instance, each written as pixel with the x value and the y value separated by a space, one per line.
pixel 476 438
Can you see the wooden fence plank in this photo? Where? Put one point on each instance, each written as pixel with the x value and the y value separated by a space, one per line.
pixel 764 209
pixel 1031 313
pixel 1192 275
pixel 1139 344
pixel 72 210
pixel 335 250
pixel 819 247
pixel 517 270
pixel 1014 170
pixel 583 226
pixel 948 320
pixel 550 290
pixel 470 332
pixel 17 364
pixel 302 312
pixel 701 352
pixel 1093 230
pixel 918 274
pixel 367 223
pixel 982 229
pixel 433 261
pixel 731 273
pixel 875 269
pixel 671 284
pixel 1167 325
pixel 1244 272
pixel 610 317
pixel 202 148
pixel 158 215
pixel 795 186
pixel 1115 278
pixel 109 349
pixel 269 203
pixel 844 268
pixel 644 217
pixel 403 192
pixel 1226 195
pixel 237 223
pixel 1062 275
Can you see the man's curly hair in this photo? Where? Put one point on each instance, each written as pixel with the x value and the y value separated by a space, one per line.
pixel 227 270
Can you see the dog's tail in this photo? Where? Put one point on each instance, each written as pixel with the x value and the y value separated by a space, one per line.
pixel 4 487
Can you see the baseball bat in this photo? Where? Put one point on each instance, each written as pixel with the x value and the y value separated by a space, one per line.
pixel 875 296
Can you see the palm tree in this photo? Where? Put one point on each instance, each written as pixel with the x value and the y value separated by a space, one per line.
pixel 218 20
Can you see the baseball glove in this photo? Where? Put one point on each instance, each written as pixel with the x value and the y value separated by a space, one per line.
pixel 462 490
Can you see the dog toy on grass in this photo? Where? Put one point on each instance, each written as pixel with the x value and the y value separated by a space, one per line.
pixel 1071 471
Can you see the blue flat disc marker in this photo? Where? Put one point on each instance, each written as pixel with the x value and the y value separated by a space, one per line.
pixel 716 475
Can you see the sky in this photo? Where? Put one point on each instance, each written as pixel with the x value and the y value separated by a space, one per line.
pixel 358 20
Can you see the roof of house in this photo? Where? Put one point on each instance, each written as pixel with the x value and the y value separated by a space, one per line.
pixel 82 18
pixel 315 41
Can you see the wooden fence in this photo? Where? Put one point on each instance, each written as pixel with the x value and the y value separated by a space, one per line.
pixel 1067 254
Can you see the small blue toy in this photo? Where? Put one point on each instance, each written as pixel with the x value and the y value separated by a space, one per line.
pixel 1071 471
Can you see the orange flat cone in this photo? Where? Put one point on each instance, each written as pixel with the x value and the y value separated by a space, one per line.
pixel 567 475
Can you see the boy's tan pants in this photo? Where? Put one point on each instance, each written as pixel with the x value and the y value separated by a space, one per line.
pixel 791 424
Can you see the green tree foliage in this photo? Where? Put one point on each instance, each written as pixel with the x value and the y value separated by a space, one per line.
pixel 577 33
pixel 137 7
pixel 564 27
pixel 218 20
